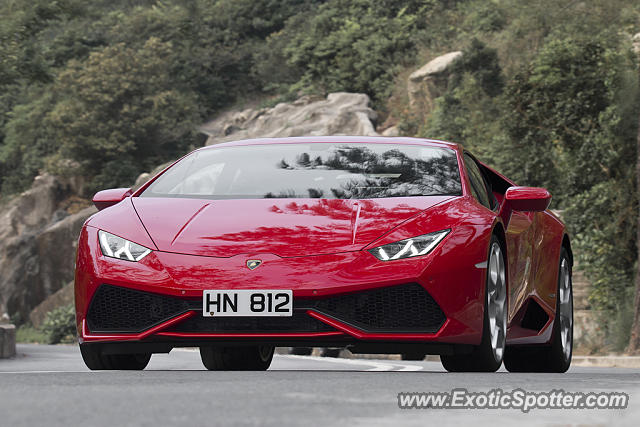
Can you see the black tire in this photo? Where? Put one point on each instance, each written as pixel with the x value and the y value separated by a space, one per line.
pixel 253 358
pixel 301 351
pixel 482 358
pixel 331 352
pixel 416 355
pixel 96 361
pixel 550 357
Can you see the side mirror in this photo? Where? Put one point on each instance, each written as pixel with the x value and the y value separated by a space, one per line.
pixel 105 198
pixel 528 199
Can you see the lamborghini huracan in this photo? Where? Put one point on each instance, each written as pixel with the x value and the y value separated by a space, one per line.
pixel 377 245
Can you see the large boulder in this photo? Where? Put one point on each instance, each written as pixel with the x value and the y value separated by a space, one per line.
pixel 339 114
pixel 64 296
pixel 635 40
pixel 37 245
pixel 430 81
pixel 56 246
pixel 146 176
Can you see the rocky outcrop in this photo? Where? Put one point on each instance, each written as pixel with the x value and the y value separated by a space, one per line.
pixel 37 252
pixel 430 81
pixel 391 131
pixel 62 297
pixel 146 176
pixel 339 114
pixel 635 40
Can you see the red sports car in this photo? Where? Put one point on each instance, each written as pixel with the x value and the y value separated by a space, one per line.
pixel 377 245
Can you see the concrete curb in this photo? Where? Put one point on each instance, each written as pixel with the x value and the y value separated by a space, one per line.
pixel 7 341
pixel 607 361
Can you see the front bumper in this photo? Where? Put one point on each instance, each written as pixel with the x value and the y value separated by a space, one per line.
pixel 343 299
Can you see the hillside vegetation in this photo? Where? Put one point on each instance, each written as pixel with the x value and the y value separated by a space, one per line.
pixel 547 92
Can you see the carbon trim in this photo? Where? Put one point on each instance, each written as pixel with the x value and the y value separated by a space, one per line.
pixel 299 322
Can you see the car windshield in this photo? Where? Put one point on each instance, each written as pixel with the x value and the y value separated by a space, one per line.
pixel 316 170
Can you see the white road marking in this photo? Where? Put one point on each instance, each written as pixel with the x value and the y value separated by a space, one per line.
pixel 49 372
pixel 369 365
pixel 375 365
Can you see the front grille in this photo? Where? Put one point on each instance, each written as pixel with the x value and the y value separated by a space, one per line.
pixel 299 322
pixel 118 309
pixel 401 308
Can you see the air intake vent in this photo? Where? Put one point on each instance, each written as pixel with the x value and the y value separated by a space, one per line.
pixel 402 308
pixel 535 317
pixel 118 309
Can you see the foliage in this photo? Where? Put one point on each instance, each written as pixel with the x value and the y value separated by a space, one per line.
pixel 354 46
pixel 25 145
pixel 120 108
pixel 60 325
pixel 467 110
pixel 28 334
pixel 120 86
pixel 569 122
pixel 564 115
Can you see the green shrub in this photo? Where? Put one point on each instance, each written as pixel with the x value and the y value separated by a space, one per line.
pixel 28 334
pixel 60 325
pixel 354 45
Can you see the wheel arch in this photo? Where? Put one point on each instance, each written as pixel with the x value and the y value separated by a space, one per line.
pixel 566 243
pixel 498 230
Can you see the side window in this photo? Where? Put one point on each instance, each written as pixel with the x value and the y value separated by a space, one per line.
pixel 478 186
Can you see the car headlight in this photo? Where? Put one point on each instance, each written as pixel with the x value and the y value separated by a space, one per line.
pixel 408 248
pixel 117 247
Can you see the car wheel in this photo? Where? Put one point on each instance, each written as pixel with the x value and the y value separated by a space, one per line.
pixel 96 361
pixel 554 357
pixel 254 358
pixel 487 357
pixel 416 355
pixel 301 351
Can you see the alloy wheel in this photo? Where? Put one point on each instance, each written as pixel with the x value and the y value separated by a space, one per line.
pixel 565 308
pixel 497 301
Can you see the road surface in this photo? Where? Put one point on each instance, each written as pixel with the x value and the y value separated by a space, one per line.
pixel 49 386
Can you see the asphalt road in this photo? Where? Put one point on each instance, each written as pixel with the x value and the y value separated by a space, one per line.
pixel 49 386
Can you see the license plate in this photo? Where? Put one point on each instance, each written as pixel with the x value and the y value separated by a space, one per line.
pixel 230 303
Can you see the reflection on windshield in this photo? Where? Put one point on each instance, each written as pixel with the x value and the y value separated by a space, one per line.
pixel 322 170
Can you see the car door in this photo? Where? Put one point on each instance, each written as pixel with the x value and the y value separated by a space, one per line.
pixel 520 236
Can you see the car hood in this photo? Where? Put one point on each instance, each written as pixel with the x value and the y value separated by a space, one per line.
pixel 284 227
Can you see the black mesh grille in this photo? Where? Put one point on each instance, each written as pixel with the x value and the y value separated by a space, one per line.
pixel 299 322
pixel 117 309
pixel 402 308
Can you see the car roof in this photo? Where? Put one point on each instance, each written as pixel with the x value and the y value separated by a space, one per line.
pixel 337 139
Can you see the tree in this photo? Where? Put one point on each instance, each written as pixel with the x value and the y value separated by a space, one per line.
pixel 634 339
pixel 119 112
pixel 355 46
pixel 570 120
